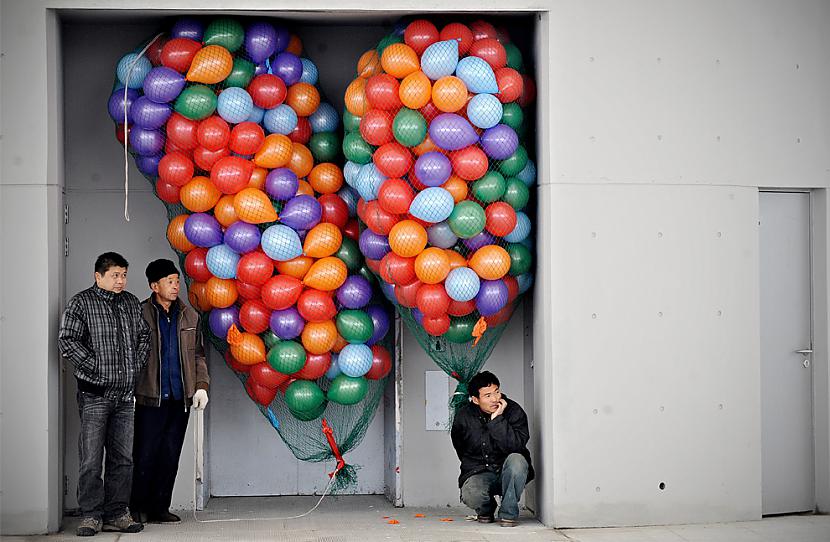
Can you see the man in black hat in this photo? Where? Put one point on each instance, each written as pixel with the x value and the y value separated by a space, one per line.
pixel 176 378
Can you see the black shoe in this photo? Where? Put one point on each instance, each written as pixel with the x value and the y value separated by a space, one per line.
pixel 164 517
pixel 139 517
pixel 485 519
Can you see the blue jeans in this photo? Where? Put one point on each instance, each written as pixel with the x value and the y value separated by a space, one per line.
pixel 105 425
pixel 479 489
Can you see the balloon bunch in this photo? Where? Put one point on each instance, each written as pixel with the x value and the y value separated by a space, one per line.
pixel 434 141
pixel 227 121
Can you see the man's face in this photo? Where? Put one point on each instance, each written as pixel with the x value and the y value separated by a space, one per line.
pixel 488 398
pixel 167 288
pixel 114 279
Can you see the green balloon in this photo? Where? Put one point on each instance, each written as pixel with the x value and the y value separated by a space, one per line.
pixel 367 274
pixel 287 357
pixel 241 73
pixel 409 127
pixel 516 194
pixel 515 163
pixel 356 149
pixel 351 123
pixel 196 102
pixel 307 416
pixel 512 115
pixel 521 260
pixel 355 326
pixel 270 339
pixel 347 390
pixel 467 219
pixel 386 41
pixel 304 396
pixel 324 146
pixel 514 56
pixel 489 188
pixel 461 329
pixel 225 32
pixel 349 253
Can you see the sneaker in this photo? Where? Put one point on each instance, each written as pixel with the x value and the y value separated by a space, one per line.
pixel 123 524
pixel 504 522
pixel 164 517
pixel 485 519
pixel 89 527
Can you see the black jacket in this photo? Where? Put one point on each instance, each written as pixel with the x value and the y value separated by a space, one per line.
pixel 483 444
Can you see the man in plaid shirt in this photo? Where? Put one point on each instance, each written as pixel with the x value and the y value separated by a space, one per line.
pixel 104 335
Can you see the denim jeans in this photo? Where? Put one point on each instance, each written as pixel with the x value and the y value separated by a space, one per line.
pixel 106 425
pixel 479 489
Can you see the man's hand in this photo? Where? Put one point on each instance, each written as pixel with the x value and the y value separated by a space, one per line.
pixel 200 399
pixel 500 410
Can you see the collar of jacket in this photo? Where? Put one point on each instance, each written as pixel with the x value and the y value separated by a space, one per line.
pixel 174 307
pixel 152 302
pixel 106 294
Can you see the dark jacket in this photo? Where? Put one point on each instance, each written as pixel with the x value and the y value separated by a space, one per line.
pixel 106 339
pixel 191 356
pixel 483 444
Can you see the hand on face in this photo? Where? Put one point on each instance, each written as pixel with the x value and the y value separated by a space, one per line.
pixel 499 409
pixel 490 401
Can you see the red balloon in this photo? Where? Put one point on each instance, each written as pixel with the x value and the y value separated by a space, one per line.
pixel 232 173
pixel 420 34
pixel 119 134
pixel 436 325
pixel 254 316
pixel 260 394
pixel 246 138
pixel 406 293
pixel 395 196
pixel 247 290
pixel 373 265
pixel 382 92
pixel 429 111
pixel 512 287
pixel 167 192
pixel 267 90
pixel 181 131
pixel 234 364
pixel 381 363
pixel 483 30
pixel 470 163
pixel 510 85
pixel 255 268
pixel 153 52
pixel 378 220
pixel 352 229
pixel 315 366
pixel 302 132
pixel 376 127
pixel 491 51
pixel 265 375
pixel 213 133
pixel 178 53
pixel 501 218
pixel 432 300
pixel 461 308
pixel 528 92
pixel 284 386
pixel 281 291
pixel 170 147
pixel 176 168
pixel 392 159
pixel 205 159
pixel 335 210
pixel 459 32
pixel 502 316
pixel 396 269
pixel 316 306
pixel 195 265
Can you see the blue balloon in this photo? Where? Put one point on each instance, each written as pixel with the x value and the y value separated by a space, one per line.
pixel 477 75
pixel 433 204
pixel 310 73
pixel 462 284
pixel 525 281
pixel 281 243
pixel 484 110
pixel 440 59
pixel 521 230
pixel 350 197
pixel 257 113
pixel 135 67
pixel 355 360
pixel 235 105
pixel 334 368
pixel 222 261
pixel 280 120
pixel 324 119
pixel 528 174
pixel 441 235
pixel 368 181
pixel 350 171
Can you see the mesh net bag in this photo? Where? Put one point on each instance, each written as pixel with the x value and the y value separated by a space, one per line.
pixel 224 118
pixel 436 142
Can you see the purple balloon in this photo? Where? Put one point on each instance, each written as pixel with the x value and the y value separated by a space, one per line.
pixel 242 237
pixel 389 292
pixel 146 142
pixel 163 84
pixel 116 104
pixel 283 38
pixel 380 318
pixel 373 245
pixel 287 324
pixel 452 132
pixel 260 41
pixel 492 297
pixel 433 168
pixel 355 293
pixel 148 114
pixel 418 316
pixel 288 67
pixel 148 165
pixel 281 184
pixel 259 69
pixel 188 28
pixel 221 320
pixel 479 240
pixel 499 142
pixel 301 212
pixel 203 230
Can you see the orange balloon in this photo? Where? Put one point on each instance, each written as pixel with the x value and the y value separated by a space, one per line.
pixel 197 295
pixel 304 98
pixel 319 337
pixel 224 211
pixel 258 178
pixel 326 178
pixel 322 240
pixel 297 268
pixel 490 262
pixel 274 152
pixel 254 206
pixel 449 94
pixel 221 293
pixel 301 160
pixel 339 344
pixel 456 260
pixel 356 97
pixel 211 65
pixel 399 60
pixel 368 64
pixel 199 194
pixel 295 46
pixel 415 90
pixel 432 265
pixel 176 236
pixel 457 187
pixel 247 348
pixel 407 238
pixel 326 274
pixel 424 146
pixel 304 188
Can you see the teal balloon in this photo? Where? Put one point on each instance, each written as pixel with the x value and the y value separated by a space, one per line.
pixel 281 243
pixel 356 327
pixel 350 122
pixel 521 230
pixel 433 204
pixel 196 102
pixel 440 59
pixel 467 219
pixel 528 174
pixel 241 73
pixel 225 32
pixel 515 163
pixel 287 357
pixel 490 187
pixel 304 396
pixel 132 69
pixel 485 111
pixel 388 40
pixel 521 259
pixel 513 116
pixel 347 390
pixel 324 146
pixel 516 193
pixel 514 56
pixel 409 127
pixel 462 284
pixel 349 254
pixel 477 75
pixel 356 149
pixel 367 274
pixel 269 338
pixel 461 329
pixel 307 416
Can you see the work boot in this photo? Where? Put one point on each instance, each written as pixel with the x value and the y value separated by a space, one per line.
pixel 164 517
pixel 485 519
pixel 89 527
pixel 504 522
pixel 123 524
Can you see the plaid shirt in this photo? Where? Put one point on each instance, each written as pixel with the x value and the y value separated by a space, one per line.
pixel 107 340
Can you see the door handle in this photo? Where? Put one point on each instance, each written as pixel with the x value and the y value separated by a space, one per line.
pixel 805 352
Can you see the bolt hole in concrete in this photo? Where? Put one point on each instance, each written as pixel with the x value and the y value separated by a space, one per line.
pixel 662 486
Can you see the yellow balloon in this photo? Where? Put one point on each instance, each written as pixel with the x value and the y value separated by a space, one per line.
pixel 326 274
pixel 322 240
pixel 211 65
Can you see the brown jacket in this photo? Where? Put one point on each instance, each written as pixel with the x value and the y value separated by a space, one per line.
pixel 191 357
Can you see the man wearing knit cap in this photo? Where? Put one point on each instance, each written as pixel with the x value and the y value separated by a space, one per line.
pixel 176 378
